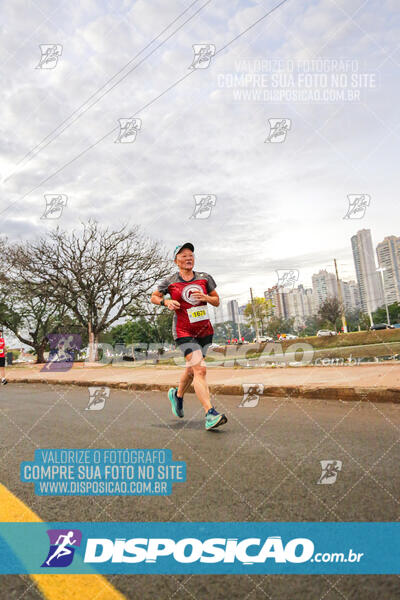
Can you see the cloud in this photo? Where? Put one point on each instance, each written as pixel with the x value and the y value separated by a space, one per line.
pixel 276 203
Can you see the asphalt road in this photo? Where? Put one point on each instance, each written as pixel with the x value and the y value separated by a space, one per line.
pixel 263 465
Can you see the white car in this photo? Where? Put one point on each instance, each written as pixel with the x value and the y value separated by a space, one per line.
pixel 325 333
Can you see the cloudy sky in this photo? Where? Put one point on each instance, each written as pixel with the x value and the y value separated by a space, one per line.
pixel 204 131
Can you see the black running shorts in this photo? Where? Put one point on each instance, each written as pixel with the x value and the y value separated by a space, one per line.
pixel 187 345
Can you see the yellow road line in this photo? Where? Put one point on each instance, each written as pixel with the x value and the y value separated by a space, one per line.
pixel 56 587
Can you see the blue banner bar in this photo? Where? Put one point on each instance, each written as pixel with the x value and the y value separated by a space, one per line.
pixel 230 548
pixel 103 472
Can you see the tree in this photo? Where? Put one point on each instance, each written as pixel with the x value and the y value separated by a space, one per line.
pixel 353 319
pixel 279 325
pixel 153 328
pixel 379 316
pixel 99 275
pixel 229 329
pixel 262 309
pixel 312 325
pixel 29 315
pixel 330 312
pixel 364 321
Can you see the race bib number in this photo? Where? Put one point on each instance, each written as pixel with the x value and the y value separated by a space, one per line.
pixel 197 313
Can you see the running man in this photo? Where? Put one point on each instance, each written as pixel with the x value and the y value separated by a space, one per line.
pixel 2 359
pixel 62 550
pixel 190 292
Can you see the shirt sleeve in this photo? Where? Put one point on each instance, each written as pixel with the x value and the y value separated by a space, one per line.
pixel 211 285
pixel 163 285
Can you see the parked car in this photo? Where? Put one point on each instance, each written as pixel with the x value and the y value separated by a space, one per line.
pixel 325 333
pixel 378 326
pixel 263 339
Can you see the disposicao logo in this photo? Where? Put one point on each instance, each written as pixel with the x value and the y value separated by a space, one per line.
pixel 190 550
pixel 62 547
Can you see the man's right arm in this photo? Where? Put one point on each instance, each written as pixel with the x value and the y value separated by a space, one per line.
pixel 157 298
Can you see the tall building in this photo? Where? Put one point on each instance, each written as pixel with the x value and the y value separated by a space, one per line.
pixel 217 314
pixel 300 304
pixel 388 253
pixel 324 286
pixel 279 302
pixel 351 294
pixel 242 316
pixel 233 311
pixel 369 284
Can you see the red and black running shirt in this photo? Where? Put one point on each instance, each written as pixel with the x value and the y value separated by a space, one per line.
pixel 192 318
pixel 2 347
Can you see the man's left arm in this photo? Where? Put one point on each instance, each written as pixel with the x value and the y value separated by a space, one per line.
pixel 213 298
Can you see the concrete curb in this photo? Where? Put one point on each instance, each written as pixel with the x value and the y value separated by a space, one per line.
pixel 344 394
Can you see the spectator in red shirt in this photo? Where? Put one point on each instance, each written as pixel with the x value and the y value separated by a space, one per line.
pixel 2 359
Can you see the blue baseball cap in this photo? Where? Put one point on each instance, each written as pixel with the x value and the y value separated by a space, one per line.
pixel 181 247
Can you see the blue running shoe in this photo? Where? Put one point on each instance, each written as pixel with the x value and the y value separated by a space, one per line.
pixel 214 419
pixel 176 403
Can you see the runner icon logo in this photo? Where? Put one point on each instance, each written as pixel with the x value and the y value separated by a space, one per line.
pixel 358 204
pixel 62 547
pixel 55 203
pixel 278 129
pixel 251 394
pixel 50 53
pixel 128 129
pixel 330 470
pixel 203 205
pixel 287 278
pixel 203 54
pixel 97 397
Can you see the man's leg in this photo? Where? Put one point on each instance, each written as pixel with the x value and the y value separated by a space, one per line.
pixel 2 372
pixel 197 363
pixel 196 360
pixel 185 381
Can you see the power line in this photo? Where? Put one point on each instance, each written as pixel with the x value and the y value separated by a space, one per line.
pixel 32 151
pixel 141 109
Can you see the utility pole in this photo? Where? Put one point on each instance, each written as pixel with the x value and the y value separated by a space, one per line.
pixel 370 318
pixel 254 316
pixel 340 299
pixel 239 332
pixel 381 269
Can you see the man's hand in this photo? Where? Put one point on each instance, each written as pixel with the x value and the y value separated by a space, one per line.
pixel 200 297
pixel 172 304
